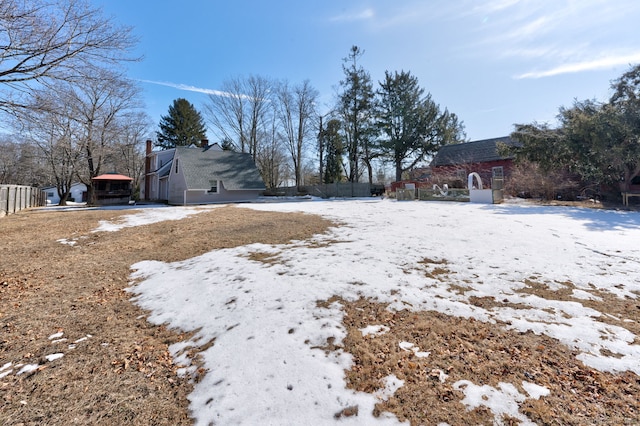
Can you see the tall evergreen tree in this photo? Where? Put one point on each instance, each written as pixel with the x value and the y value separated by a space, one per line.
pixel 355 106
pixel 334 149
pixel 183 126
pixel 411 123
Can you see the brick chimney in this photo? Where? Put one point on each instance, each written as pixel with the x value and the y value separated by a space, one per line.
pixel 147 170
pixel 204 143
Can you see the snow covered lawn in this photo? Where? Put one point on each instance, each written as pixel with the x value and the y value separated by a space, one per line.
pixel 258 304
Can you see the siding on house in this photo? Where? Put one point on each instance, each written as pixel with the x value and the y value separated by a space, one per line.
pixel 206 175
pixel 159 166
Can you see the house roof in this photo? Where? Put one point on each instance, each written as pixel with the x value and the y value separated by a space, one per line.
pixel 164 170
pixel 201 166
pixel 112 176
pixel 481 151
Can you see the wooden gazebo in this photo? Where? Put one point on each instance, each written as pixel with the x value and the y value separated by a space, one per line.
pixel 111 188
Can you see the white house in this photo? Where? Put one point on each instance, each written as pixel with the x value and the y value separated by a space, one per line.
pixel 78 193
pixel 195 175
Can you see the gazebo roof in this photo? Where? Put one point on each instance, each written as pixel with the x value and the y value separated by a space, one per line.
pixel 112 176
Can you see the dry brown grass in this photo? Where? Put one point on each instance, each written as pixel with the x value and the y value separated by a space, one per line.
pixel 485 354
pixel 123 373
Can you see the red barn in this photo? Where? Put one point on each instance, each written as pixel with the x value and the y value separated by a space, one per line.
pixel 484 157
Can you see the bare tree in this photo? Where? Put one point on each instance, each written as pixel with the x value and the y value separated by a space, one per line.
pixel 33 170
pixel 81 126
pixel 43 41
pixel 296 109
pixel 271 158
pixel 127 153
pixel 98 102
pixel 49 126
pixel 238 112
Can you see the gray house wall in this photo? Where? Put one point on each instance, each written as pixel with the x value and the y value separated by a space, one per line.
pixel 203 196
pixel 193 173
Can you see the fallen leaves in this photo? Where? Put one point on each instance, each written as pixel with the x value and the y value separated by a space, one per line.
pixel 481 353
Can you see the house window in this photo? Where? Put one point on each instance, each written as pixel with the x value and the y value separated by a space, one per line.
pixel 461 174
pixel 50 194
pixel 497 172
pixel 176 165
pixel 214 187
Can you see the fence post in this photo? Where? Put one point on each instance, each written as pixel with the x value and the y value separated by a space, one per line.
pixel 4 201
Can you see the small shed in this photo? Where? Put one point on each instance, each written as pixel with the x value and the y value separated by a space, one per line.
pixel 77 193
pixel 111 188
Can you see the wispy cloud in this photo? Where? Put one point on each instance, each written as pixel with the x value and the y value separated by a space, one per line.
pixel 189 88
pixel 363 15
pixel 546 38
pixel 499 5
pixel 592 65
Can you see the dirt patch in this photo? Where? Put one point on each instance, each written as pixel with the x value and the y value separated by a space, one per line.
pixel 485 354
pixel 88 355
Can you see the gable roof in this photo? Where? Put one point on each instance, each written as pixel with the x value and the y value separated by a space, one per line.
pixel 481 151
pixel 165 170
pixel 201 166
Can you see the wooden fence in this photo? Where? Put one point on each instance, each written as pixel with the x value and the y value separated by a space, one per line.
pixel 14 198
pixel 331 190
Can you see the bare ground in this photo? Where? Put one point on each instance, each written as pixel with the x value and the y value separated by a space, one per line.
pixel 117 369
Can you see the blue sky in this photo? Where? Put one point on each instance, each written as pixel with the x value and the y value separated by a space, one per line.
pixel 493 63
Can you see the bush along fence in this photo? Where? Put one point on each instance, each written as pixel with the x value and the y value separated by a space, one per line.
pixel 14 198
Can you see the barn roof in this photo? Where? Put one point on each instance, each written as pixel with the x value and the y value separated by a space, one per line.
pixel 201 166
pixel 481 151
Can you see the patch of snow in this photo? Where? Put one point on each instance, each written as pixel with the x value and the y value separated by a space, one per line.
pixel 441 375
pixel 28 368
pixel 374 330
pixel 391 385
pixel 148 216
pixel 268 364
pixel 410 347
pixel 53 357
pixel 535 391
pixel 56 335
pixel 503 401
pixel 585 295
pixel 5 370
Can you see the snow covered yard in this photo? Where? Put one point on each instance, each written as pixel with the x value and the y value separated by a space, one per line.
pixel 275 355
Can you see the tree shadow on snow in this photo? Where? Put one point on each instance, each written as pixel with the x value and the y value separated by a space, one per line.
pixel 593 219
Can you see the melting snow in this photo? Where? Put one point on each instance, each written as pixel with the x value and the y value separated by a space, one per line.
pixel 267 365
pixel 374 330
